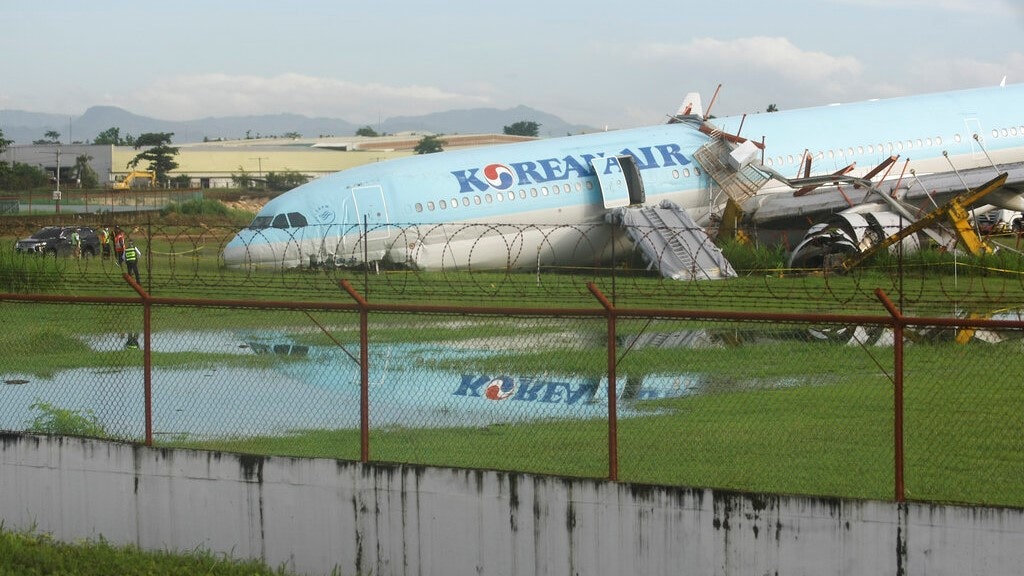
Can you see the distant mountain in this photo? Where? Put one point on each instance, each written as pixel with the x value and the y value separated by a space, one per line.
pixel 482 121
pixel 25 127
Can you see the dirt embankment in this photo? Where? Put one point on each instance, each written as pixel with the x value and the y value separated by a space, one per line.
pixel 249 204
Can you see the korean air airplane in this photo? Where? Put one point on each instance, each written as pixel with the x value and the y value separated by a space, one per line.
pixel 580 199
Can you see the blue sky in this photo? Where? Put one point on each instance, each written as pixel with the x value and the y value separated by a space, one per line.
pixel 604 64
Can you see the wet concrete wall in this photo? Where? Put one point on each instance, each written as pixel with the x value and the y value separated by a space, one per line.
pixel 313 516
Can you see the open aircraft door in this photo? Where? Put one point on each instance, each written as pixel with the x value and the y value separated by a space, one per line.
pixel 620 181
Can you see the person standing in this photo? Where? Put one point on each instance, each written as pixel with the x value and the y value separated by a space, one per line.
pixel 119 240
pixel 104 234
pixel 76 244
pixel 131 258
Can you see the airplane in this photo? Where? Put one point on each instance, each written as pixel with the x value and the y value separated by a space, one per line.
pixel 588 198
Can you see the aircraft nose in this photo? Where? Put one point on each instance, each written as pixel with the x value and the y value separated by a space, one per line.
pixel 249 249
pixel 236 252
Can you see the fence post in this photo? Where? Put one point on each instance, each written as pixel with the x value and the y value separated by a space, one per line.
pixel 147 353
pixel 613 427
pixel 897 351
pixel 364 372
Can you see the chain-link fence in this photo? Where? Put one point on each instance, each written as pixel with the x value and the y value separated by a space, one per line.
pixel 873 406
pixel 187 259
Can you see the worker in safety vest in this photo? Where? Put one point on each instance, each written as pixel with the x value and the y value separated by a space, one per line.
pixel 119 240
pixel 131 257
pixel 104 235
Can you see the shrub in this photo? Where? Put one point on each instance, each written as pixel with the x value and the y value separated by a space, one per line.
pixel 63 422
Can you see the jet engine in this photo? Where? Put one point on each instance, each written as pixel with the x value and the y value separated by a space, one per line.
pixel 848 234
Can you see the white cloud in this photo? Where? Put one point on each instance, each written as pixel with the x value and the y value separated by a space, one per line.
pixel 196 96
pixel 964 72
pixel 761 54
pixel 988 7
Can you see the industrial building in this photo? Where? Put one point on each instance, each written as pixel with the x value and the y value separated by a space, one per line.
pixel 214 164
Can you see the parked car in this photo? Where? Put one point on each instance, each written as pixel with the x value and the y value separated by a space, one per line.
pixel 56 240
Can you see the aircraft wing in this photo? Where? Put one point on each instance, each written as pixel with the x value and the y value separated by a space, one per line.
pixel 918 193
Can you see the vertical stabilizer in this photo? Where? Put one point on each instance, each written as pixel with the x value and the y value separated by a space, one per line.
pixel 691 105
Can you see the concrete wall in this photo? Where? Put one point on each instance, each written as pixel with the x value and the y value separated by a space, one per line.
pixel 316 515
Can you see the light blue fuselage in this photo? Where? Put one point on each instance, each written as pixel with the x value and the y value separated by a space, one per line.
pixel 500 205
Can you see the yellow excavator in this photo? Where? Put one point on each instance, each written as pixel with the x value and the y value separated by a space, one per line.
pixel 147 177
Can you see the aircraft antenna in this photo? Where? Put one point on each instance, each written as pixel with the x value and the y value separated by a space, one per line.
pixel 707 112
pixel 945 154
pixel 913 174
pixel 982 146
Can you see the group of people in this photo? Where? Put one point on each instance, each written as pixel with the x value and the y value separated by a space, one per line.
pixel 123 249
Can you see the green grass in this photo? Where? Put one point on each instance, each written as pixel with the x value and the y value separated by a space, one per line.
pixel 828 430
pixel 34 553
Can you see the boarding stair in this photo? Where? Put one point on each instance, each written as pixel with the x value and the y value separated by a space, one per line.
pixel 738 179
pixel 673 243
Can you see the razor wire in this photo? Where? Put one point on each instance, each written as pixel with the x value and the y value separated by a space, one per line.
pixel 490 262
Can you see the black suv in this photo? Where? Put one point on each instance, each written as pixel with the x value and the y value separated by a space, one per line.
pixel 56 240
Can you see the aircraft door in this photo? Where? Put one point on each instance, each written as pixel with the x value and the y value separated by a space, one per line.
pixel 620 180
pixel 371 205
pixel 974 128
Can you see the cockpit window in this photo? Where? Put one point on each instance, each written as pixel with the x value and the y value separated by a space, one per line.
pixel 282 221
pixel 260 222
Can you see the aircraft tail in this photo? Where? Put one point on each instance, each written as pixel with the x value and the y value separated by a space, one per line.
pixel 691 105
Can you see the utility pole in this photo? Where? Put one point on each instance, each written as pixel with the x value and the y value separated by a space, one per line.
pixel 259 173
pixel 56 193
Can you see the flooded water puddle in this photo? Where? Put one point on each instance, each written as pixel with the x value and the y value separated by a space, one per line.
pixel 274 383
pixel 293 386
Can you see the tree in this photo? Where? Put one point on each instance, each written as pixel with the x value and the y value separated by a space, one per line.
pixel 160 155
pixel 523 128
pixel 21 176
pixel 181 181
pixel 87 177
pixel 286 180
pixel 429 144
pixel 51 137
pixel 4 143
pixel 367 131
pixel 111 136
pixel 773 108
pixel 291 135
pixel 242 180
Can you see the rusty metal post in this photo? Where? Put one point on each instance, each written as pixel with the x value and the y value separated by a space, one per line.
pixel 364 371
pixel 613 427
pixel 147 354
pixel 897 352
